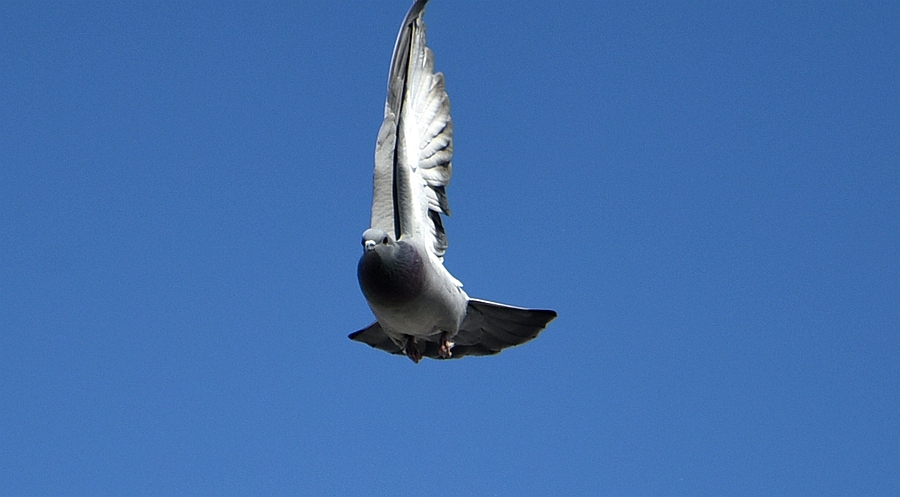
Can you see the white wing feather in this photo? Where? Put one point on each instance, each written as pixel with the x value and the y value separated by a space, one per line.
pixel 413 152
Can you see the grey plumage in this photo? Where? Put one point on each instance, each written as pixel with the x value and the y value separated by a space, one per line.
pixel 421 309
pixel 487 329
pixel 390 273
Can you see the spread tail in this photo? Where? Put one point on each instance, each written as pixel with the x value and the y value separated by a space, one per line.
pixel 487 329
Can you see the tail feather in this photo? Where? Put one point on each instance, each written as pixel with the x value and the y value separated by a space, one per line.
pixel 487 329
pixel 490 327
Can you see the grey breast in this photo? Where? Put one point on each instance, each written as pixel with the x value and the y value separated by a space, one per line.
pixel 391 275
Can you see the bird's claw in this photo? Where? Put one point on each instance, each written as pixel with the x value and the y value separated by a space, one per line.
pixel 446 345
pixel 412 350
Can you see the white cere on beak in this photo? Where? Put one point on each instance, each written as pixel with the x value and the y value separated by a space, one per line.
pixel 369 245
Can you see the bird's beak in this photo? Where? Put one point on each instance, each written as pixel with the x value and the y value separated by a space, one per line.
pixel 369 245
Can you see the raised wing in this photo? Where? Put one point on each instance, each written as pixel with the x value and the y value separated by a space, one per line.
pixel 415 143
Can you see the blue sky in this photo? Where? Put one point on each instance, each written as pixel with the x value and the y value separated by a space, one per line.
pixel 707 192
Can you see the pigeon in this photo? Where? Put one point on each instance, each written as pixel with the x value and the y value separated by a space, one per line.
pixel 420 309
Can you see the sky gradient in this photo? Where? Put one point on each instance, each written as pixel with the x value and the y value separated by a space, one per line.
pixel 707 192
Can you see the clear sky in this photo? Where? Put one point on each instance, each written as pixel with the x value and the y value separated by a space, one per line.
pixel 707 192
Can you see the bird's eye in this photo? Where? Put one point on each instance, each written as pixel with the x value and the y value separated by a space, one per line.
pixel 384 240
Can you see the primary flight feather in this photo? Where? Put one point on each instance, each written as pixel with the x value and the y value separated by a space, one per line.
pixel 420 308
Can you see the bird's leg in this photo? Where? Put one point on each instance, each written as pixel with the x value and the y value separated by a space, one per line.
pixel 412 349
pixel 446 345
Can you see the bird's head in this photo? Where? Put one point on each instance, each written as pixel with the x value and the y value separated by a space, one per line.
pixel 373 237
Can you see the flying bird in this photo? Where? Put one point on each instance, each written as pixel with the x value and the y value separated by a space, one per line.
pixel 420 308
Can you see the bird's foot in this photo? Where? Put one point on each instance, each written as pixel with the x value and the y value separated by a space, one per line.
pixel 412 349
pixel 446 345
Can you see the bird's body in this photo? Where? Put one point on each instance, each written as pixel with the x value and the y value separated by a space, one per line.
pixel 411 294
pixel 420 308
